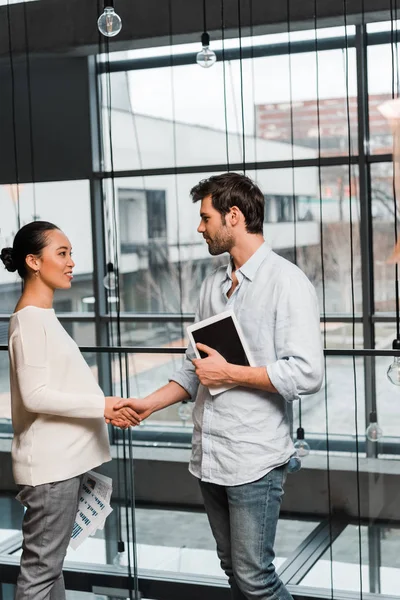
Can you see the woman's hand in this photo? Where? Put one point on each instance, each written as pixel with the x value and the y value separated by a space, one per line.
pixel 121 417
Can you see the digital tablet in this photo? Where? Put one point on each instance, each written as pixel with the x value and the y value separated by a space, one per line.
pixel 223 333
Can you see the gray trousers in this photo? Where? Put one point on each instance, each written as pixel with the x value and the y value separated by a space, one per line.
pixel 47 527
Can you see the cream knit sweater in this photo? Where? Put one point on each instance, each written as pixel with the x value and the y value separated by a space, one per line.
pixel 57 405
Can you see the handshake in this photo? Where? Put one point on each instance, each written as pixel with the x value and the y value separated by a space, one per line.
pixel 125 412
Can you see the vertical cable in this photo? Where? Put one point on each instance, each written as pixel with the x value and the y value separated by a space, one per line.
pixel 395 143
pixel 115 248
pixel 353 293
pixel 110 335
pixel 28 78
pixel 113 251
pixel 178 241
pixel 161 297
pixel 204 16
pixel 224 83
pixel 13 112
pixel 132 489
pixel 294 204
pixel 241 86
pixel 321 230
pixel 253 86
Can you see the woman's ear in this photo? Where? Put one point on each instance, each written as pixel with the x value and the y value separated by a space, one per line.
pixel 32 262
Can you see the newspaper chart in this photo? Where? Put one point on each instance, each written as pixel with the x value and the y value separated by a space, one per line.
pixel 93 508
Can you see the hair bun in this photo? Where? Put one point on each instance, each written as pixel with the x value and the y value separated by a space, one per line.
pixel 8 260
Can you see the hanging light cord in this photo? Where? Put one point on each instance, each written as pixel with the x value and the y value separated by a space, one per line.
pixel 204 16
pixel 395 211
pixel 178 239
pixel 321 230
pixel 353 293
pixel 14 120
pixel 128 493
pixel 224 84
pixel 28 78
pixel 253 85
pixel 294 206
pixel 241 86
pixel 113 251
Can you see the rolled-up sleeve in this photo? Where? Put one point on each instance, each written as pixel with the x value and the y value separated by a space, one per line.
pixel 299 365
pixel 186 375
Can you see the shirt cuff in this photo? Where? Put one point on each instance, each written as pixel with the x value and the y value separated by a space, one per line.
pixel 282 382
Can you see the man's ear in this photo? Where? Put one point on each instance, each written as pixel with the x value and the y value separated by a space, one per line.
pixel 235 215
pixel 33 262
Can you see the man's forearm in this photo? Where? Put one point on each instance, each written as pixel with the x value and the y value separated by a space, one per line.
pixel 169 394
pixel 254 377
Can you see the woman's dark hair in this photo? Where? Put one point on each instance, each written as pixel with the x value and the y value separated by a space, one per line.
pixel 30 239
pixel 233 189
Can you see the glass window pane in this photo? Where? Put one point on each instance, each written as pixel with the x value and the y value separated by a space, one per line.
pixel 381 78
pixel 348 567
pixel 67 205
pixel 244 119
pixel 387 394
pixel 163 272
pixel 383 209
pixel 332 410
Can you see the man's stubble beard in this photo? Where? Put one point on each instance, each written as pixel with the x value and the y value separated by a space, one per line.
pixel 220 244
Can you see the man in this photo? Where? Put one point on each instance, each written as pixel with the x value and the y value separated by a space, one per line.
pixel 241 438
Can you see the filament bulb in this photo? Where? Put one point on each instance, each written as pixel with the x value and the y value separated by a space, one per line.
pixel 374 432
pixel 301 446
pixel 110 280
pixel 109 23
pixel 206 58
pixel 393 372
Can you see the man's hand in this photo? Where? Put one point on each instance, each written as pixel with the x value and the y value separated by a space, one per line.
pixel 213 370
pixel 140 407
pixel 123 416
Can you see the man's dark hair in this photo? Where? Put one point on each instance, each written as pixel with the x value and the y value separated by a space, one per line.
pixel 233 189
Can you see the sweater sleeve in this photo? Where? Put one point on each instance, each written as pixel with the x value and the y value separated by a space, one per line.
pixel 30 361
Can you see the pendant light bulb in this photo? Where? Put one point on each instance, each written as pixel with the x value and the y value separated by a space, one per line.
pixel 301 446
pixel 374 432
pixel 184 412
pixel 294 464
pixel 206 58
pixel 109 23
pixel 110 280
pixel 393 372
pixel 120 559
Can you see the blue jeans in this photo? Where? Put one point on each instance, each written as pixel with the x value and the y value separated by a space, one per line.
pixel 243 520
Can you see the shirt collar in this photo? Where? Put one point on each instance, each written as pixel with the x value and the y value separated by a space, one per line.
pixel 250 268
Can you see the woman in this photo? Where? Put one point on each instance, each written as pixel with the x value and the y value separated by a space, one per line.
pixel 58 410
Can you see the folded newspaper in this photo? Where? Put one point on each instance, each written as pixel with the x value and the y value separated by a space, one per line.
pixel 94 507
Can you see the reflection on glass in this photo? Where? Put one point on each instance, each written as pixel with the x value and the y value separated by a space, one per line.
pixel 380 76
pixel 350 566
pixel 179 542
pixel 198 129
pixel 335 414
pixel 164 259
pixel 387 394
